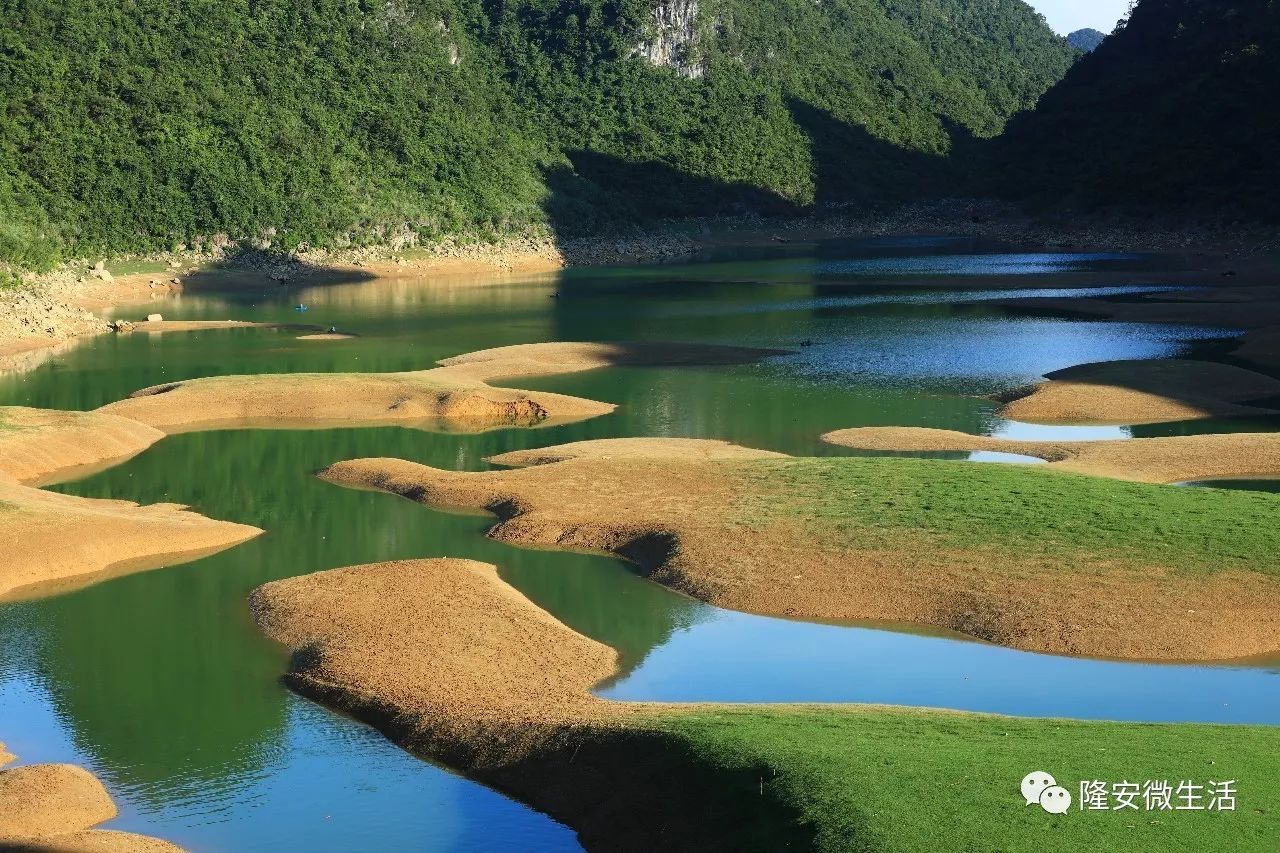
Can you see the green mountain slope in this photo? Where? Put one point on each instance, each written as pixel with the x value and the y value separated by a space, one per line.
pixel 138 125
pixel 1087 39
pixel 1173 111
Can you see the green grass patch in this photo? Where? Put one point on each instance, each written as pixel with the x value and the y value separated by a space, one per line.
pixel 899 780
pixel 874 503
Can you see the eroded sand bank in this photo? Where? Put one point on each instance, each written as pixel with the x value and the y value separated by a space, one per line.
pixel 42 445
pixel 504 693
pixel 708 527
pixel 1175 459
pixel 456 393
pixel 55 542
pixel 496 660
pixel 1142 392
pixel 53 807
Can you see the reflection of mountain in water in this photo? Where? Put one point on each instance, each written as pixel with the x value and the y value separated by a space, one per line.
pixel 606 603
pixel 174 650
pixel 165 691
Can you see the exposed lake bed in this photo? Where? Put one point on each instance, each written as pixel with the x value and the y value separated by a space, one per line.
pixel 855 361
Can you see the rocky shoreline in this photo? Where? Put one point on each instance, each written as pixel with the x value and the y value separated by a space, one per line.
pixel 46 310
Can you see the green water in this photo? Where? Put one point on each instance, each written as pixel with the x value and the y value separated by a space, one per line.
pixel 161 684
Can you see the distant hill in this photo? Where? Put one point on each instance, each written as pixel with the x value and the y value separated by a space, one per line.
pixel 139 125
pixel 1174 111
pixel 1087 39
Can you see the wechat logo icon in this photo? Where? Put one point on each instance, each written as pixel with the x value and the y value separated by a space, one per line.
pixel 1040 788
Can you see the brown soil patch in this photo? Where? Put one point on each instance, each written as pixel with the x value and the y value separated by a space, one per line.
pixel 683 522
pixel 326 336
pixel 42 446
pixel 1176 459
pixel 63 540
pixel 456 393
pixel 51 807
pixel 1141 392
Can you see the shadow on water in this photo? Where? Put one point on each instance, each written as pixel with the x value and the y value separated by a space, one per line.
pixel 249 268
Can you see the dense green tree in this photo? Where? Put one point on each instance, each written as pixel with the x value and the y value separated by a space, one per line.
pixel 1173 111
pixel 138 124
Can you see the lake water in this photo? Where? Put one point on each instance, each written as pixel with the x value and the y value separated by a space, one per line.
pixel 160 683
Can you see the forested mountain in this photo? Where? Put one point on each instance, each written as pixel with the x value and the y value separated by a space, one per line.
pixel 1087 39
pixel 141 124
pixel 1174 111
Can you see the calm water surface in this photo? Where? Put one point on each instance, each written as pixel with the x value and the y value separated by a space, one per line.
pixel 161 684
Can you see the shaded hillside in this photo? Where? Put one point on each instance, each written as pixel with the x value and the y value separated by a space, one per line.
pixel 1174 111
pixel 141 125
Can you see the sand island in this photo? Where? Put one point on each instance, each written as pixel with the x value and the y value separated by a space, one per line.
pixel 52 808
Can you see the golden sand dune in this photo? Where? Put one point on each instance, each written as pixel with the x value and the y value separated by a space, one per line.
pixel 1176 459
pixel 700 525
pixel 60 541
pixel 40 445
pixel 51 807
pixel 1141 392
pixel 456 394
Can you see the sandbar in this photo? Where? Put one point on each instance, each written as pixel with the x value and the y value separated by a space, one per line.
pixel 52 807
pixel 456 393
pixel 1143 392
pixel 42 445
pixel 63 541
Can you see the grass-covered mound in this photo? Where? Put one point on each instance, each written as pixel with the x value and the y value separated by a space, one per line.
pixel 1080 522
pixel 1043 560
pixel 135 126
pixel 902 781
